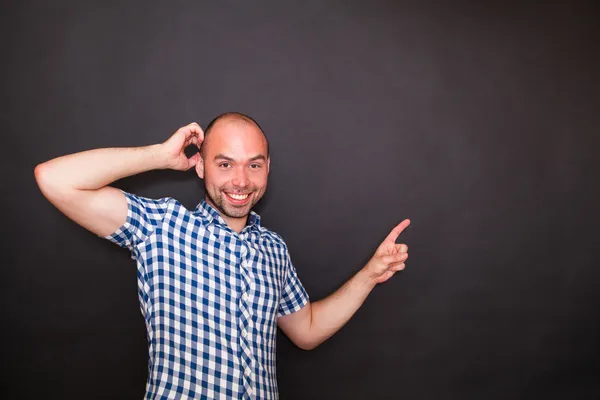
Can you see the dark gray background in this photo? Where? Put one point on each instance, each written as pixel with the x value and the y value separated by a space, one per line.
pixel 478 121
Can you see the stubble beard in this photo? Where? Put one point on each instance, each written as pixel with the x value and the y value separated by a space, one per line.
pixel 228 209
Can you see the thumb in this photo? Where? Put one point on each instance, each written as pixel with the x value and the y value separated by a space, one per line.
pixel 193 160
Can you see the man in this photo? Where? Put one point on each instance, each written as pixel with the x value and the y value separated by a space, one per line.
pixel 213 283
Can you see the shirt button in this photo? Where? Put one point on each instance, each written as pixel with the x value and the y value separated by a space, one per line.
pixel 247 373
pixel 244 332
pixel 245 296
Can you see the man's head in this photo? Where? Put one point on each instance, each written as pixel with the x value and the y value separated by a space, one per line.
pixel 234 164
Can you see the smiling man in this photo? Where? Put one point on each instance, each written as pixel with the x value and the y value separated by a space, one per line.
pixel 234 164
pixel 213 283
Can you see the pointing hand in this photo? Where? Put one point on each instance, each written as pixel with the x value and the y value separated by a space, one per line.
pixel 389 257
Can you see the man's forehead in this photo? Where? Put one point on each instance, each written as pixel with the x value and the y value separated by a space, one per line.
pixel 236 133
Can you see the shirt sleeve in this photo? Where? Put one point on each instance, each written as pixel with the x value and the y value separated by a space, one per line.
pixel 293 295
pixel 143 216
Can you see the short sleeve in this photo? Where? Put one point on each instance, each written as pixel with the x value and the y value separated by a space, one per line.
pixel 293 295
pixel 143 216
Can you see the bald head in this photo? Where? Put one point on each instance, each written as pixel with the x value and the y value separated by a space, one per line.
pixel 234 166
pixel 234 118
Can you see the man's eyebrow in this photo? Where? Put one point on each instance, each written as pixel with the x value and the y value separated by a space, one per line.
pixel 223 157
pixel 255 158
pixel 258 157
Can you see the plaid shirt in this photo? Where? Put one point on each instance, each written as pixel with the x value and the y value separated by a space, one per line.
pixel 210 298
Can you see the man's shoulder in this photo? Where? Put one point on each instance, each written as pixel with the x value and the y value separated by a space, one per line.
pixel 146 200
pixel 273 236
pixel 166 206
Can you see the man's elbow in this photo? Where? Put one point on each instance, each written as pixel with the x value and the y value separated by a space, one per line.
pixel 49 183
pixel 38 173
pixel 307 345
pixel 43 178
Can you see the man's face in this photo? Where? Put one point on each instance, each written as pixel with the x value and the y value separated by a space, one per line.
pixel 235 167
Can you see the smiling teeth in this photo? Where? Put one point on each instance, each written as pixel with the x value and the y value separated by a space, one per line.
pixel 238 196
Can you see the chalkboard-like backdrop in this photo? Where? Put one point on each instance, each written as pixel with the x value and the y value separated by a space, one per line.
pixel 479 122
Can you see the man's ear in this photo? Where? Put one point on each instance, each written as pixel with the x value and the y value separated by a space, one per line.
pixel 268 164
pixel 200 167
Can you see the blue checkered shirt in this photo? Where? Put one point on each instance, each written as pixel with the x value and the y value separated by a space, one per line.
pixel 210 298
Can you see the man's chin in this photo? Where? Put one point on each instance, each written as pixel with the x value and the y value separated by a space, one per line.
pixel 237 212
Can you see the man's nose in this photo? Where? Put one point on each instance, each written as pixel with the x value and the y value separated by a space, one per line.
pixel 241 178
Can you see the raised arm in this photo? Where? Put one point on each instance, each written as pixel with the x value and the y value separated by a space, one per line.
pixel 316 322
pixel 76 184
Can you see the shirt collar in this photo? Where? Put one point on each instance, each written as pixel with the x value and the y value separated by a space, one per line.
pixel 212 216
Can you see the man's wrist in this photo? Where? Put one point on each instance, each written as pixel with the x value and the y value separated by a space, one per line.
pixel 366 278
pixel 158 157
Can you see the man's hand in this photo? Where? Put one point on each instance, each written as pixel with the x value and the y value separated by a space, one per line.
pixel 389 257
pixel 317 321
pixel 174 147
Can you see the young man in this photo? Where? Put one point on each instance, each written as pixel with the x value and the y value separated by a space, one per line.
pixel 213 283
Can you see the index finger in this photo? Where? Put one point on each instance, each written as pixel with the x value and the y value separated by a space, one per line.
pixel 397 231
pixel 195 128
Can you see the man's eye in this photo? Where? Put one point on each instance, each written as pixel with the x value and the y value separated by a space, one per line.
pixel 224 165
pixel 254 166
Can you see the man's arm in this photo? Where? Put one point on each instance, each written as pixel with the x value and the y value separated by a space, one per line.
pixel 76 184
pixel 318 321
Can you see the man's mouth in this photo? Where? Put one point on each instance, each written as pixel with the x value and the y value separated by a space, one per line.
pixel 238 198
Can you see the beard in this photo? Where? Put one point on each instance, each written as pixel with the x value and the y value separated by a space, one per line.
pixel 219 200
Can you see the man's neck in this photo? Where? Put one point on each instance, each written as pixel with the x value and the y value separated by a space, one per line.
pixel 236 224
